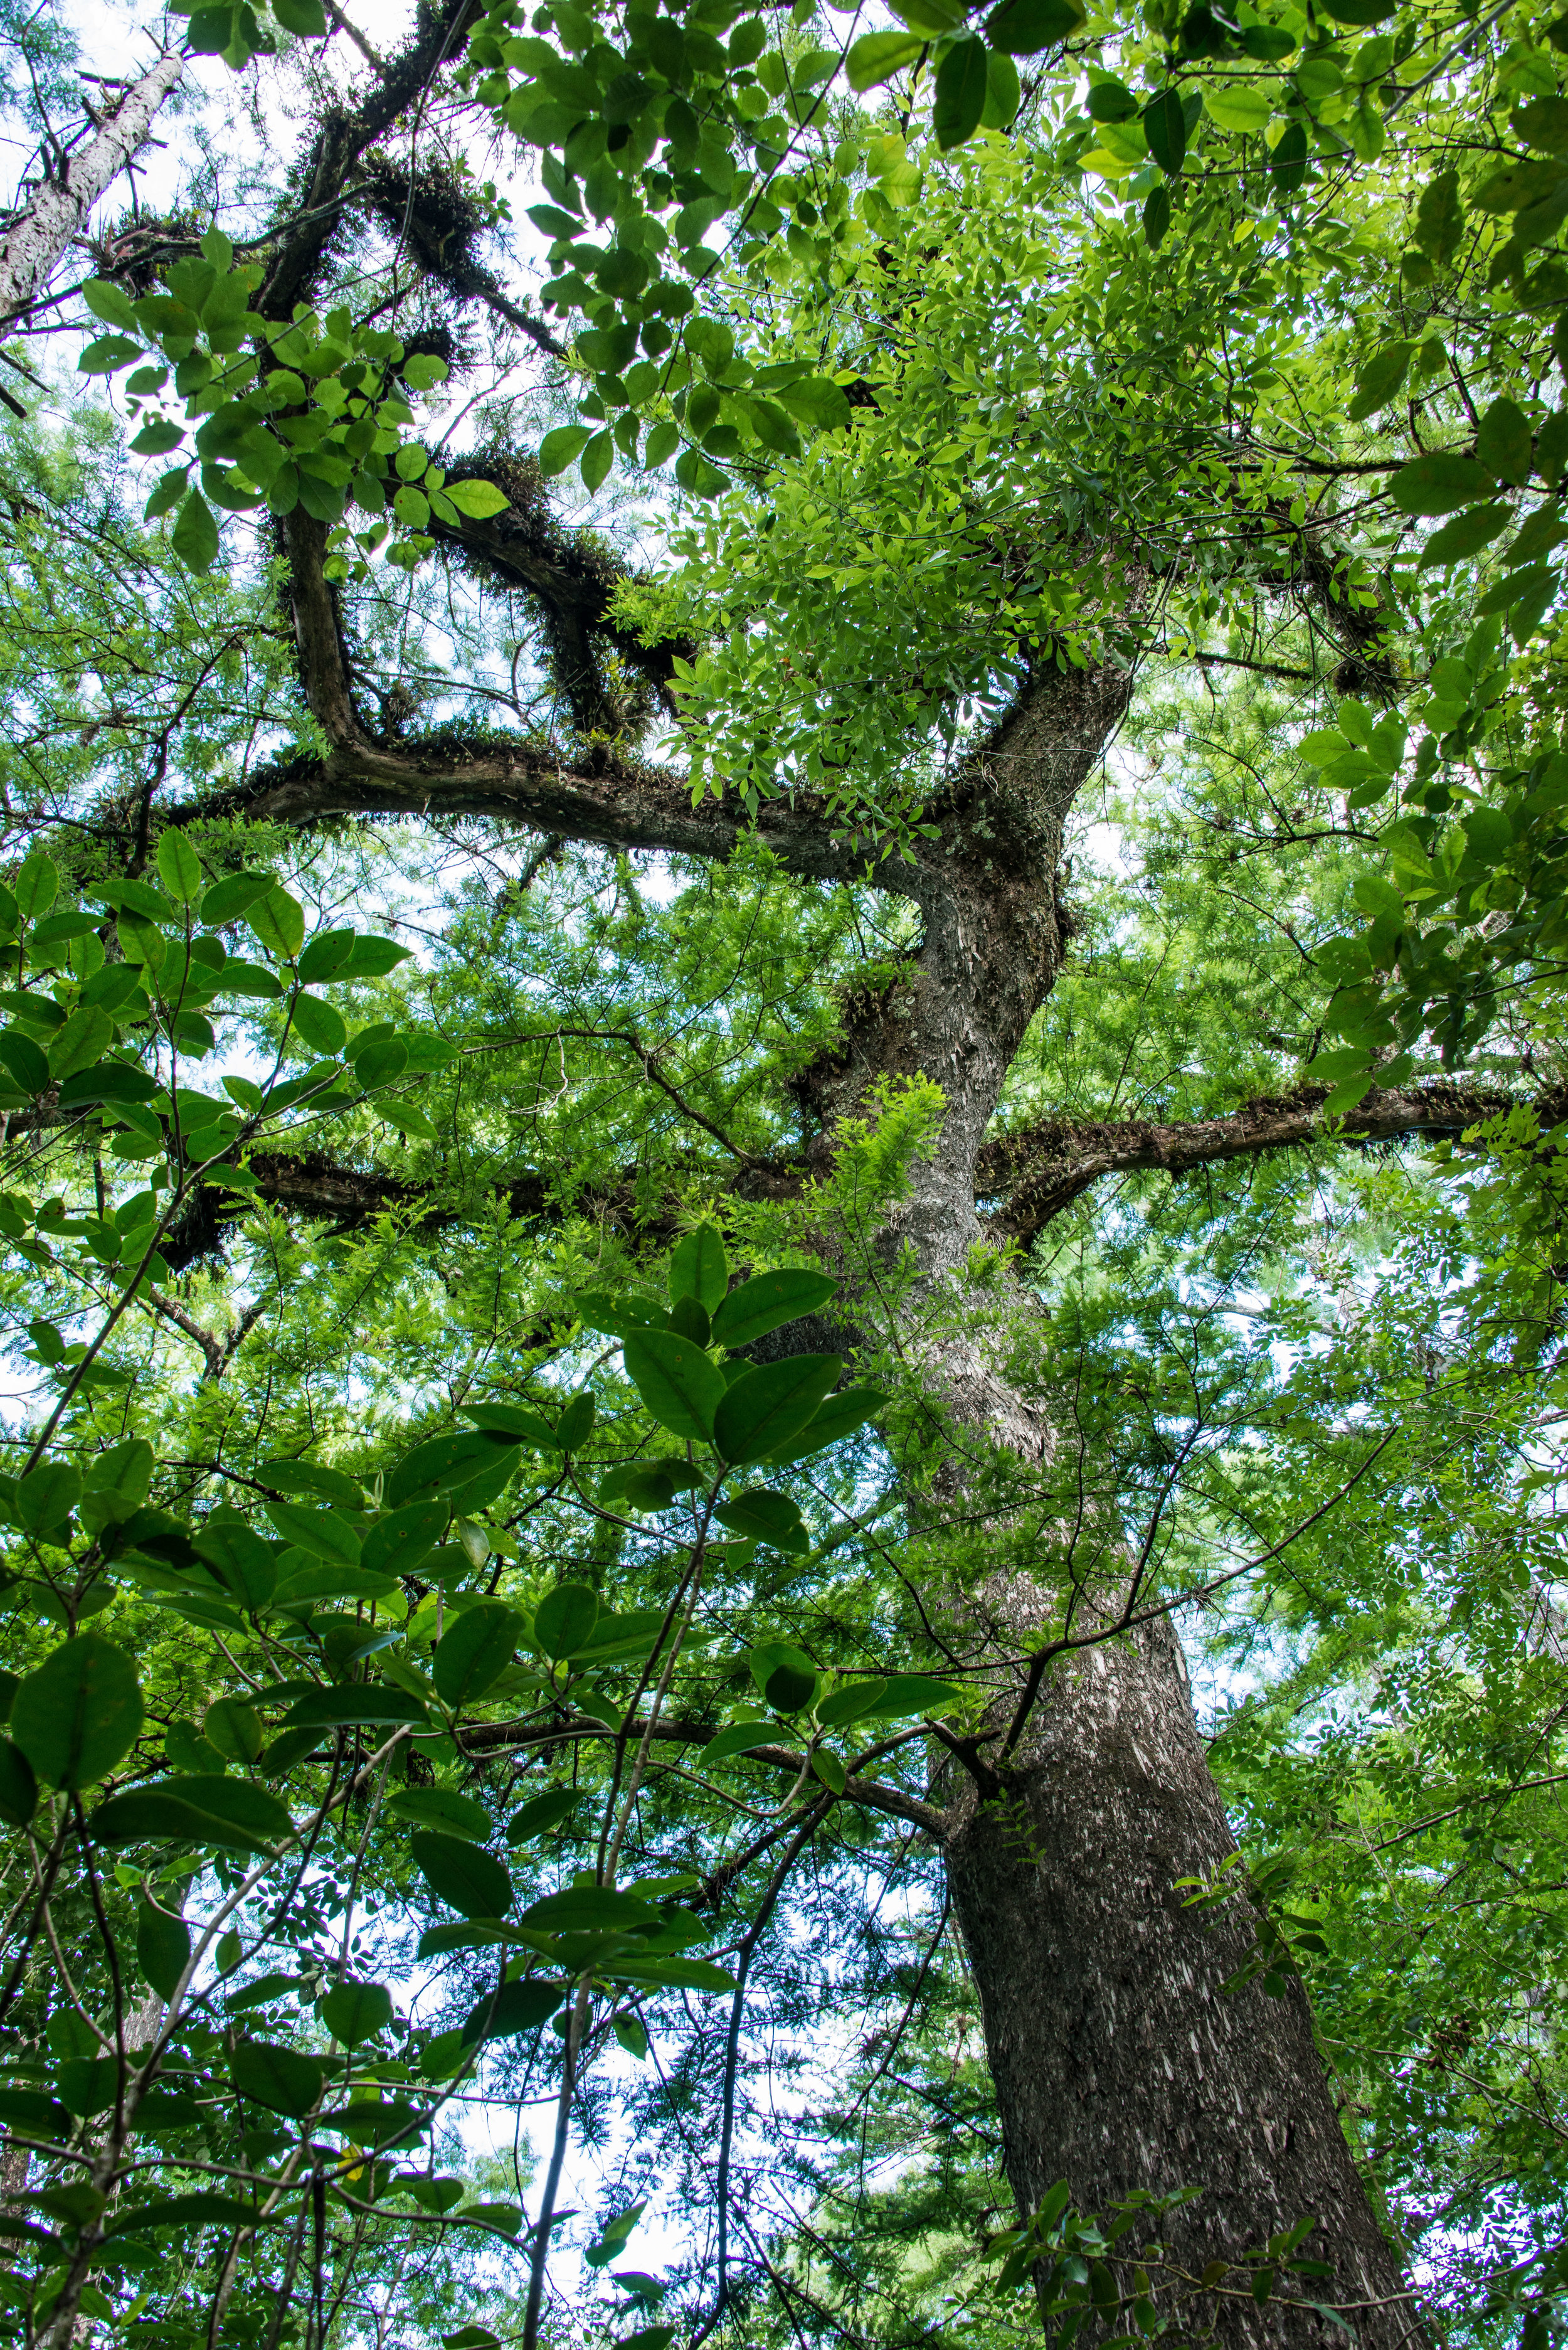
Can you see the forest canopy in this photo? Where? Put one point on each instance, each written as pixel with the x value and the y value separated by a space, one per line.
pixel 782 1123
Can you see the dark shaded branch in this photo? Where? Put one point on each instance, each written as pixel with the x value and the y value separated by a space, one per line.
pixel 622 802
pixel 570 576
pixel 345 134
pixel 1038 1170
pixel 874 1794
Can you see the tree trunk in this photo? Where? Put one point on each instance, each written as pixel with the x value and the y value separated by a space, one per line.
pixel 40 231
pixel 1119 2061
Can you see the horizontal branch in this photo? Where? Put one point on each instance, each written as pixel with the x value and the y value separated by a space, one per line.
pixel 619 801
pixel 1037 1171
pixel 872 1795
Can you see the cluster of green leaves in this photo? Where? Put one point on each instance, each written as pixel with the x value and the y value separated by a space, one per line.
pixel 78 1040
pixel 313 414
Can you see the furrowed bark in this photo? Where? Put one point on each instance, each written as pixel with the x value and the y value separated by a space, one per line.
pixel 1036 1171
pixel 37 237
pixel 1120 2061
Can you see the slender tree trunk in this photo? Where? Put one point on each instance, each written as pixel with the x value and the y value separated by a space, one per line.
pixel 39 231
pixel 1119 2061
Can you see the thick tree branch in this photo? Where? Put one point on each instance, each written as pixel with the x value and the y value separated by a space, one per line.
pixel 1031 1175
pixel 620 801
pixel 1040 1169
pixel 345 134
pixel 40 232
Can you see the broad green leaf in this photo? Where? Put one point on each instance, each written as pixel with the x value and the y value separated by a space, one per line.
pixel 516 2008
pixel 234 895
pixel 1439 483
pixel 234 1729
pixel 322 1532
pixel 79 1713
pixel 304 19
pixel 739 1738
pixel 278 922
pixel 18 1787
pixel 444 1808
pixel 325 956
pixel 1164 128
pixel 576 1423
pixel 661 444
pixel 765 1517
pixel 1503 441
pixel 1517 187
pixel 356 2012
pixel 679 1386
pixel 107 354
pixel 877 56
pixel 639 1486
pixel 1236 106
pixel 818 402
pixel 1542 123
pixel 36 886
pixel 847 1704
pixel 478 500
pixel 770 1406
pixel 402 1542
pixel 564 1618
pixel 162 1947
pixel 201 2208
pixel 446 1464
pixel 789 1690
pixel 111 303
pixel 768 1301
pixel 914 1693
pixel 367 1702
pixel 596 461
pixel 1465 534
pixel 278 2078
pixel 699 1267
pixel 667 1974
pixel 596 1909
pixel 319 1024
pixel 475 1650
pixel 829 1769
pixel 512 1420
pixel 194 537
pixel 85 1037
pixel 23 1060
pixel 245 1562
pixel 47 1495
pixel 1110 100
pixel 313 1477
pixel 32 2113
pixel 1380 379
pixel 459 1873
pixel 617 1316
pixel 178 868
pixel 1021 27
pixel 541 1813
pixel 232 1813
pixel 88 2085
pixel 1156 216
pixel 1440 218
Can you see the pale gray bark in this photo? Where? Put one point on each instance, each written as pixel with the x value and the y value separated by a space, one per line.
pixel 57 211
